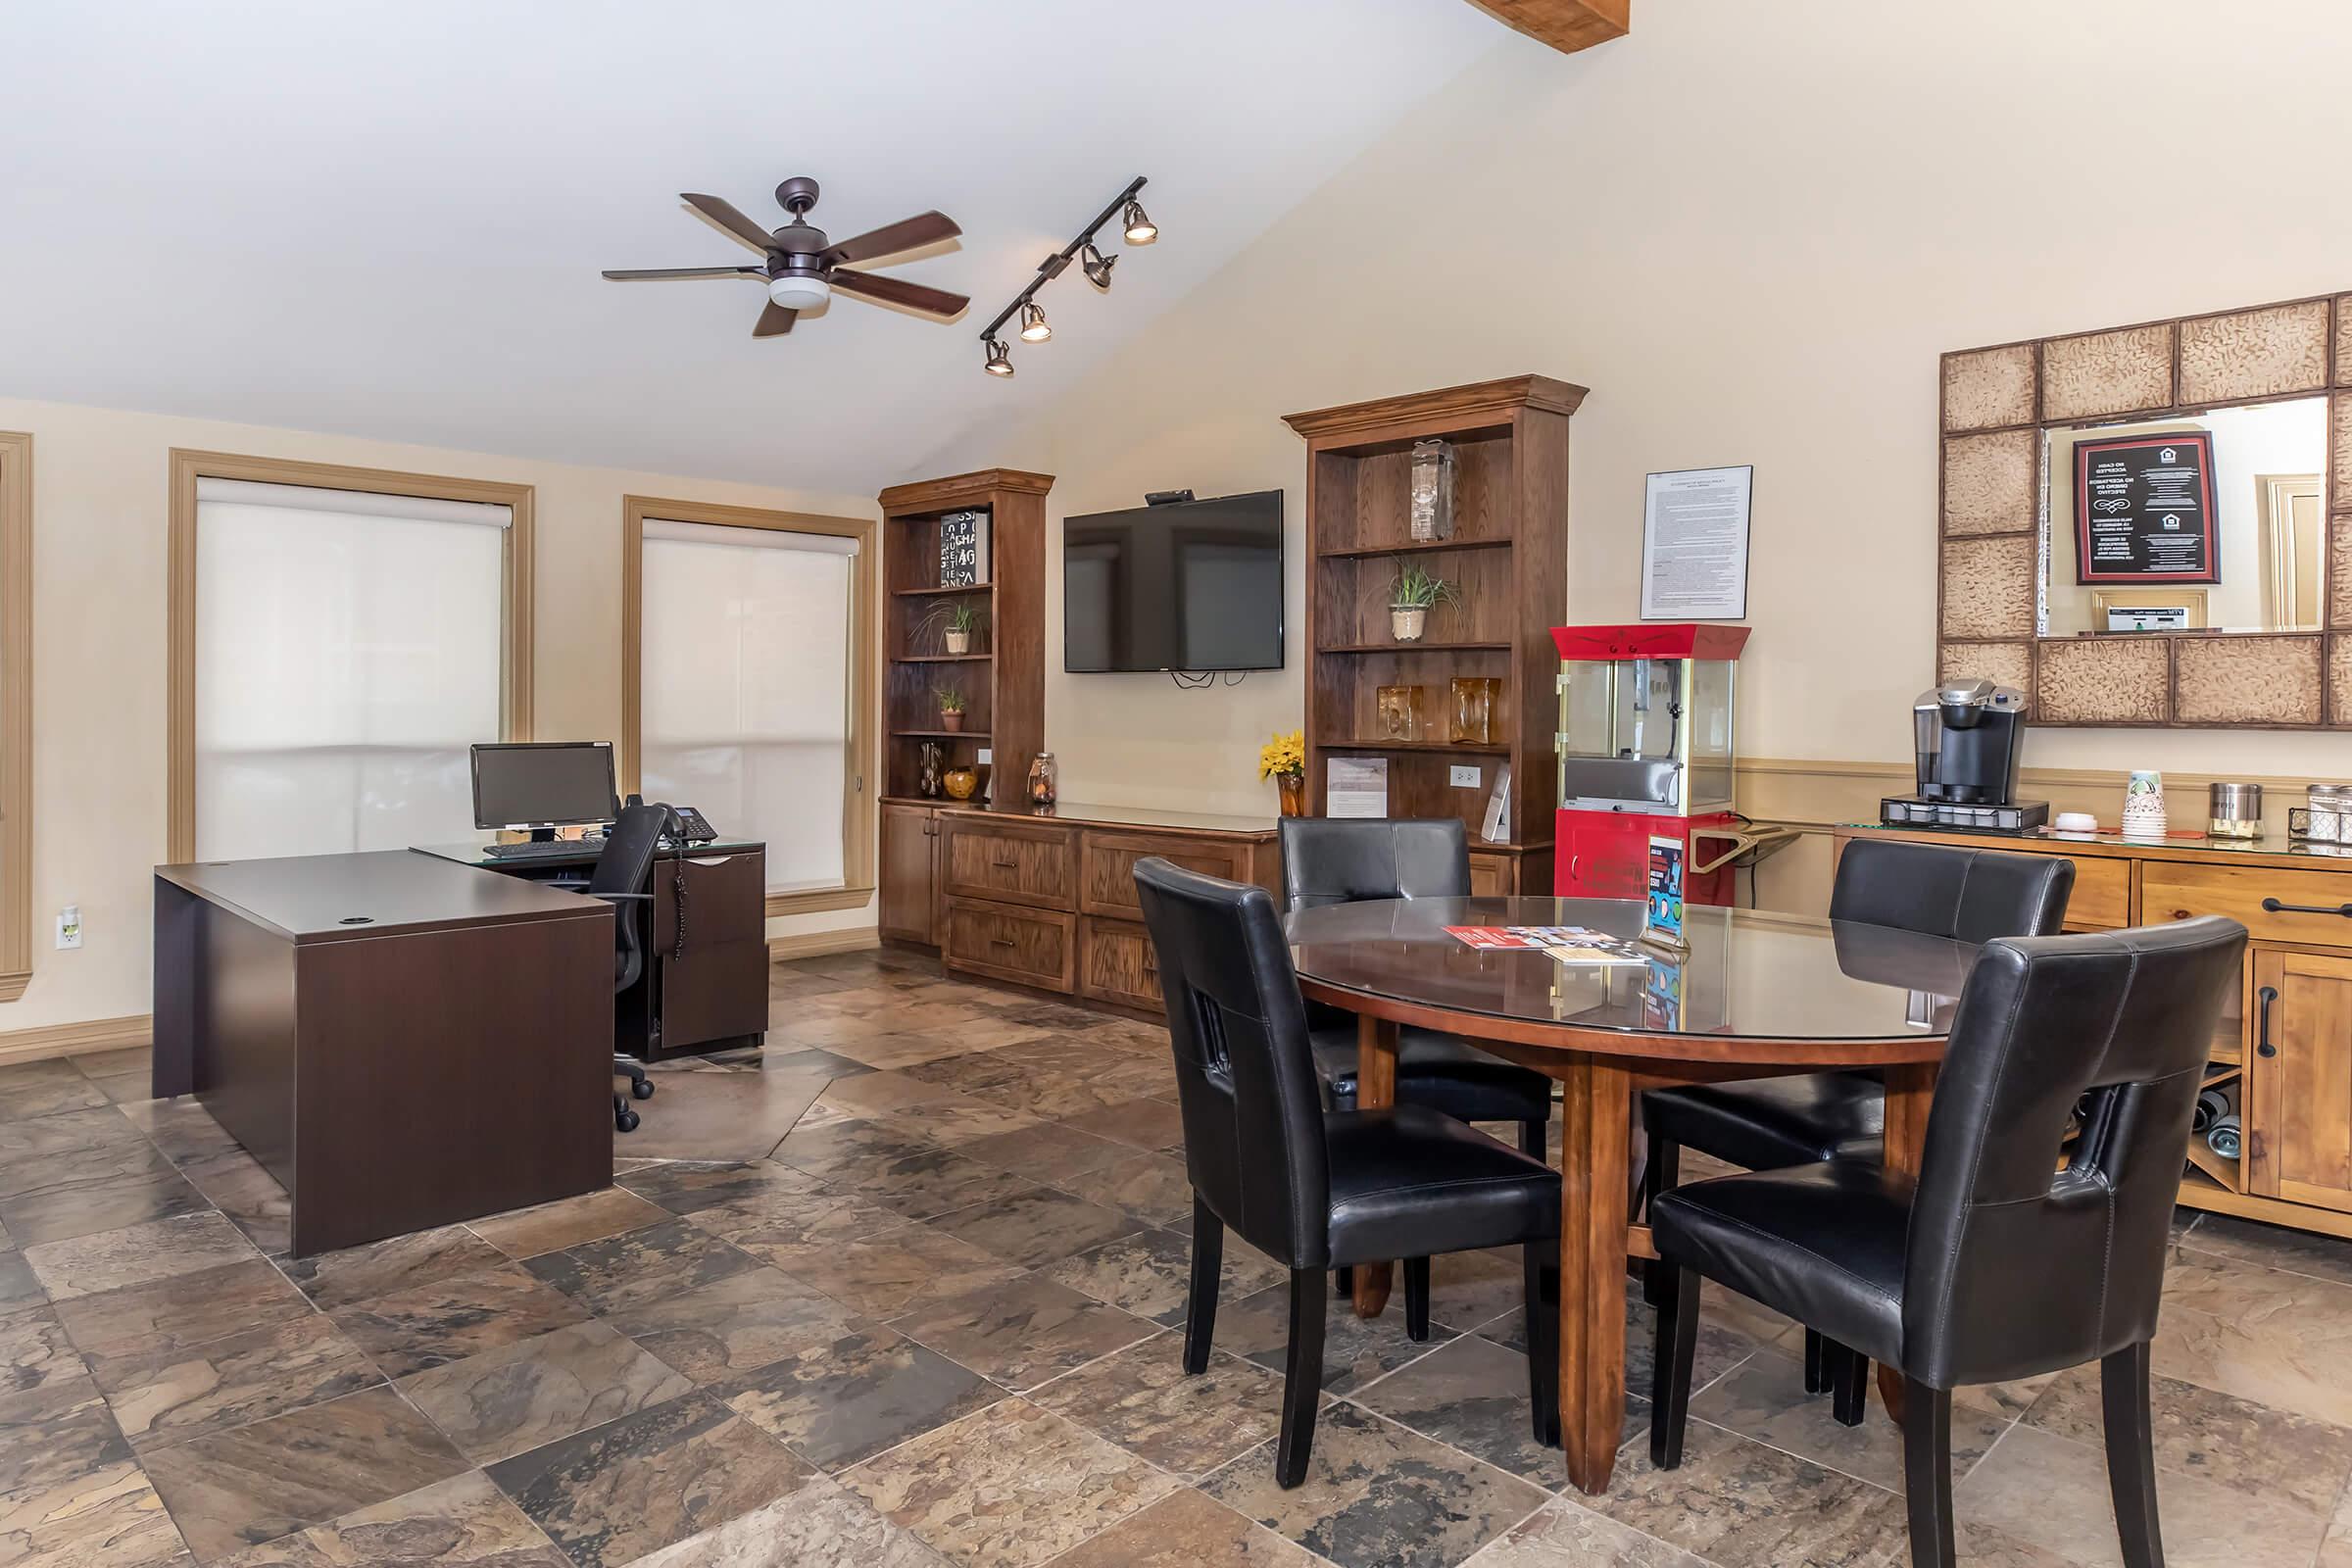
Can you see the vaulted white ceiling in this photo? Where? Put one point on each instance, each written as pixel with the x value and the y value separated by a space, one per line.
pixel 387 219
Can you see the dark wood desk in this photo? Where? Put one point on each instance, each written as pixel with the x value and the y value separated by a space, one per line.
pixel 402 1042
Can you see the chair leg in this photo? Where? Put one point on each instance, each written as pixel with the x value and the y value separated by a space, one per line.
pixel 1302 1377
pixel 1342 1283
pixel 1928 1473
pixel 2132 1456
pixel 1658 1175
pixel 1416 1298
pixel 1850 1383
pixel 1533 1141
pixel 1670 1366
pixel 1543 1271
pixel 1817 1371
pixel 1200 1306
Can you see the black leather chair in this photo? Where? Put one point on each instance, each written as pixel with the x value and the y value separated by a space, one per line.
pixel 1312 1188
pixel 623 877
pixel 1990 1267
pixel 1765 1123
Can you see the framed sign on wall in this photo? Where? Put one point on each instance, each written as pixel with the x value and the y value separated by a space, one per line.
pixel 2144 510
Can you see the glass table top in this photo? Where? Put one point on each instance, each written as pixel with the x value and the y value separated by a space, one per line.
pixel 1754 974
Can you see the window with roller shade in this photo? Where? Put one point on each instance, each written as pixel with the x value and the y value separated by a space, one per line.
pixel 749 681
pixel 349 647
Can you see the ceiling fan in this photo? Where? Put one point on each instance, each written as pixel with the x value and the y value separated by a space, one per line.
pixel 802 269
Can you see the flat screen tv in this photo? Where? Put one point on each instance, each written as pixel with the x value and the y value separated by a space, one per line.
pixel 1196 585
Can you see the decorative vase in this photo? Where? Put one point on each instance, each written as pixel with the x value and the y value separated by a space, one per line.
pixel 2143 804
pixel 1399 710
pixel 1406 623
pixel 1474 700
pixel 961 782
pixel 1043 780
pixel 960 643
pixel 1293 793
pixel 928 785
pixel 1432 490
pixel 950 722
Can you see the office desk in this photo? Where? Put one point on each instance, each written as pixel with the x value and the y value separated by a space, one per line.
pixel 707 991
pixel 402 1042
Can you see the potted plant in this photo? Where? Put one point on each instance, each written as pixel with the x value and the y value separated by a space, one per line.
pixel 956 622
pixel 951 709
pixel 1410 594
pixel 1284 760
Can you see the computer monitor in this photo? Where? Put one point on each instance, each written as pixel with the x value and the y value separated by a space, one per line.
pixel 543 785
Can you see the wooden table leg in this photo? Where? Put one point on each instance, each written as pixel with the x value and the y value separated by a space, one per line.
pixel 1595 1120
pixel 1375 1087
pixel 1910 1088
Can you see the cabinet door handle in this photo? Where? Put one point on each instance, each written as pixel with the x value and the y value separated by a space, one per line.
pixel 1001 942
pixel 2274 907
pixel 1006 866
pixel 2262 1021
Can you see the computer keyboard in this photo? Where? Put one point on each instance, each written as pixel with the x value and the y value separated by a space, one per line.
pixel 543 849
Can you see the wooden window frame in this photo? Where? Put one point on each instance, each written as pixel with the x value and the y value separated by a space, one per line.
pixel 860 821
pixel 16 714
pixel 187 467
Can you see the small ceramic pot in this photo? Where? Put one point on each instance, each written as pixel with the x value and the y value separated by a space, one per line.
pixel 960 643
pixel 950 722
pixel 1293 793
pixel 961 782
pixel 1406 623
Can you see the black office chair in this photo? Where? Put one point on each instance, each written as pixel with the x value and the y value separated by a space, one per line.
pixel 623 877
pixel 1990 1267
pixel 1315 1188
pixel 1764 1124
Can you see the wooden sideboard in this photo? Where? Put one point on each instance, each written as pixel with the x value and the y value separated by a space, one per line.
pixel 2285 1044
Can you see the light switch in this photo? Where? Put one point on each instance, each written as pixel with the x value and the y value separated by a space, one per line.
pixel 1465 778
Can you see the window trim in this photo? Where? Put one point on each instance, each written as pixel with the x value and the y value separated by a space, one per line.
pixel 860 819
pixel 16 714
pixel 188 467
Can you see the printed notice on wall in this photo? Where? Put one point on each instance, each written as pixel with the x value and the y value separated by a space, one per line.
pixel 1695 545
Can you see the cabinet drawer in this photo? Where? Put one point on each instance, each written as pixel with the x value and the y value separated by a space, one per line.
pixel 1491 876
pixel 2102 895
pixel 1006 942
pixel 1116 962
pixel 1106 883
pixel 2171 890
pixel 1011 862
pixel 726 899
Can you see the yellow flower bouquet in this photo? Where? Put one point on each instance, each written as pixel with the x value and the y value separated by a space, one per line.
pixel 1283 756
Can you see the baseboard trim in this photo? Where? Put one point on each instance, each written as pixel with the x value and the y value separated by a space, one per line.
pixel 818 943
pixel 73 1038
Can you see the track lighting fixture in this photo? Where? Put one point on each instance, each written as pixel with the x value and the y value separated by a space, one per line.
pixel 1141 230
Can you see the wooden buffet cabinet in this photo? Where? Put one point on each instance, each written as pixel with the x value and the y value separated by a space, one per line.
pixel 2286 1042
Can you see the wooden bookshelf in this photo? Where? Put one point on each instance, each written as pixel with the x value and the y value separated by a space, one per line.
pixel 1507 557
pixel 1002 678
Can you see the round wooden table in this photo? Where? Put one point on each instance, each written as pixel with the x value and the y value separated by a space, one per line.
pixel 1759 994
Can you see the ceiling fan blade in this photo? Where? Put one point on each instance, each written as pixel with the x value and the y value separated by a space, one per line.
pixel 909 233
pixel 723 213
pixel 774 322
pixel 894 291
pixel 631 274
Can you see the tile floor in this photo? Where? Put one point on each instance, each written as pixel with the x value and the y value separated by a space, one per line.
pixel 901 1291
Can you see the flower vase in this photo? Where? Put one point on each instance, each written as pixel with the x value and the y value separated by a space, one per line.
pixel 1293 793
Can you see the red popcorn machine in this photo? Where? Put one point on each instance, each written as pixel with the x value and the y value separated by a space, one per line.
pixel 1645 750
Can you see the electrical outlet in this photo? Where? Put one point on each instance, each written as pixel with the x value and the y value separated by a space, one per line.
pixel 68 926
pixel 1465 778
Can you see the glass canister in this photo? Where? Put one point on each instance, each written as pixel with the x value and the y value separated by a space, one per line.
pixel 1431 491
pixel 2329 818
pixel 1043 780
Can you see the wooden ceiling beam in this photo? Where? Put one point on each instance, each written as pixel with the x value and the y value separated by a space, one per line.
pixel 1566 25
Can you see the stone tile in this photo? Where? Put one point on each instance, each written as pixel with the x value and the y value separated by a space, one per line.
pixel 518 1396
pixel 1047 1151
pixel 463 1522
pixel 1009 1487
pixel 885 1275
pixel 721 1116
pixel 31 1149
pixel 109 1518
pixel 34 1350
pixel 359 1274
pixel 1146 1124
pixel 232 1489
pixel 1149 1273
pixel 735 1324
pixel 1723 1342
pixel 568 1222
pixel 1471 1290
pixel 821 1525
pixel 1153 1188
pixel 182 1129
pixel 2052 1493
pixel 813 1060
pixel 251 1198
pixel 171 1396
pixel 649 1480
pixel 1143 1399
pixel 1764 1398
pixel 884 1051
pixel 1379 1496
pixel 82 1208
pixel 31 1088
pixel 1741 1504
pixel 2277 1339
pixel 1188 1529
pixel 2245 1241
pixel 780 1215
pixel 957 1122
pixel 845 1145
pixel 1566 1534
pixel 116 1063
pixel 687 1186
pixel 55 1433
pixel 839 1403
pixel 883 1095
pixel 1472 1394
pixel 1356 1350
pixel 1021 1331
pixel 625 1271
pixel 136 1254
pixel 967 1074
pixel 1037 1227
pixel 444 1320
pixel 904 1174
pixel 183 1310
pixel 126 1088
pixel 18 1287
pixel 1062 1093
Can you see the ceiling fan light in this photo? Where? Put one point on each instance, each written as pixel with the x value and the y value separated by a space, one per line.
pixel 1141 230
pixel 1033 323
pixel 1000 363
pixel 1097 266
pixel 799 291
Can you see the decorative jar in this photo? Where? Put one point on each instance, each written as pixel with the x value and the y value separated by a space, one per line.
pixel 1043 780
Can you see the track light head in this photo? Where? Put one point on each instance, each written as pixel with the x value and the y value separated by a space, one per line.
pixel 1000 362
pixel 1097 266
pixel 1033 323
pixel 1141 230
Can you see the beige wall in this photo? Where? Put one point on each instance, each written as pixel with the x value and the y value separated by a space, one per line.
pixel 99 522
pixel 1750 229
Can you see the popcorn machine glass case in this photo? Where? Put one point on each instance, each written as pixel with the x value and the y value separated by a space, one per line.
pixel 1645 750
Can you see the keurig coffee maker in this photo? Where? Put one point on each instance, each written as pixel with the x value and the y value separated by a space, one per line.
pixel 1968 736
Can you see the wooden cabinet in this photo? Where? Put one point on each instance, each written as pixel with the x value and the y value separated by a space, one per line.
pixel 2300 1077
pixel 1108 877
pixel 909 884
pixel 1117 963
pixel 1011 860
pixel 1010 942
